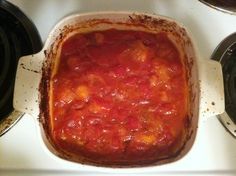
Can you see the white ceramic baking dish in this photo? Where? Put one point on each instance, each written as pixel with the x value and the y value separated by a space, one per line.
pixel 205 76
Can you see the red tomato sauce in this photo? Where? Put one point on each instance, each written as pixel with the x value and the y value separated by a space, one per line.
pixel 119 96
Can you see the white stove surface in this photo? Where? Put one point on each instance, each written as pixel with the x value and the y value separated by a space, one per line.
pixel 214 151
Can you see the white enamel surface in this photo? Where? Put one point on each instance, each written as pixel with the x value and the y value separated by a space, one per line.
pixel 26 94
pixel 213 153
pixel 211 88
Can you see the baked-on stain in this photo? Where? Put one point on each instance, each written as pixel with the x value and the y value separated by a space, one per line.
pixel 45 53
pixel 146 22
pixel 23 66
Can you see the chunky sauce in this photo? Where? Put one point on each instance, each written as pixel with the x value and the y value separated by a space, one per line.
pixel 119 97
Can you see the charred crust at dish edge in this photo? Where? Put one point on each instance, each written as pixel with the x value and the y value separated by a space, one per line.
pixel 44 98
pixel 44 89
pixel 147 20
pixel 44 85
pixel 44 117
pixel 150 22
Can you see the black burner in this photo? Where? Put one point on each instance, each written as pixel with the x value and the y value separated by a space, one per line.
pixel 222 3
pixel 225 53
pixel 229 73
pixel 18 37
pixel 228 6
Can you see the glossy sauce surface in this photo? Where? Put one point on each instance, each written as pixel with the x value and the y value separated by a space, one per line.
pixel 119 96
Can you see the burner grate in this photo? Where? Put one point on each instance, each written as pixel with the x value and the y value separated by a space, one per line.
pixel 229 74
pixel 4 57
pixel 18 37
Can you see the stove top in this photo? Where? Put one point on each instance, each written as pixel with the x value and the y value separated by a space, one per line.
pixel 18 37
pixel 213 153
